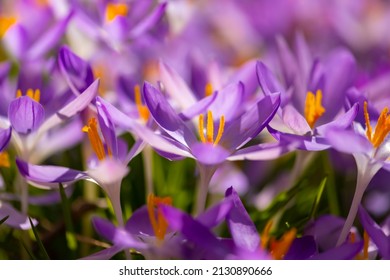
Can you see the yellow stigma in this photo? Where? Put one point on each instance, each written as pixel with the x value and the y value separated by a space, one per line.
pixel 278 249
pixel 382 127
pixel 208 89
pixel 5 24
pixel 33 94
pixel 95 140
pixel 209 138
pixel 313 107
pixel 159 223
pixel 116 9
pixel 142 109
pixel 4 160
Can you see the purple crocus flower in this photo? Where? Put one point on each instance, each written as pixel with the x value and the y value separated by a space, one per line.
pixel 379 235
pixel 31 41
pixel 29 124
pixel 312 94
pixel 245 236
pixel 180 138
pixel 107 169
pixel 370 149
pixel 30 128
pixel 113 23
pixel 155 237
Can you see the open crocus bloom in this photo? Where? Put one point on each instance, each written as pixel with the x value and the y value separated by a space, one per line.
pixel 107 169
pixel 312 94
pixel 31 40
pixel 218 139
pixel 371 150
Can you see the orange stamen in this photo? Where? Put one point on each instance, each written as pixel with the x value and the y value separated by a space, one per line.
pixel 142 109
pixel 210 127
pixel 159 224
pixel 4 160
pixel 94 139
pixel 265 237
pixel 116 9
pixel 313 107
pixel 209 138
pixel 366 239
pixel 33 94
pixel 382 127
pixel 280 248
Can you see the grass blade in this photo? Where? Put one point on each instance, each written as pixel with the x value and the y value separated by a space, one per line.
pixel 4 219
pixel 40 244
pixel 27 250
pixel 318 198
pixel 70 237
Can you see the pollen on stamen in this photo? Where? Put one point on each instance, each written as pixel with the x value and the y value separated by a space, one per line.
pixel 210 127
pixel 94 138
pixel 313 107
pixel 382 128
pixel 209 137
pixel 33 94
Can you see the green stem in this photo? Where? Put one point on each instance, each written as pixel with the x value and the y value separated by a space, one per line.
pixel 148 169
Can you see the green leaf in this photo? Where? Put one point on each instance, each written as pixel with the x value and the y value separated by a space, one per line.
pixel 27 250
pixel 318 198
pixel 70 237
pixel 4 219
pixel 40 244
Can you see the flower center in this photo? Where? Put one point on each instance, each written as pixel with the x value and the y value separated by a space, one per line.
pixel 313 107
pixel 209 137
pixel 5 24
pixel 208 89
pixel 382 127
pixel 116 9
pixel 4 160
pixel 158 222
pixel 142 109
pixel 95 140
pixel 33 94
